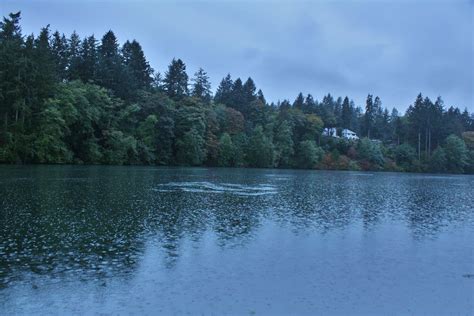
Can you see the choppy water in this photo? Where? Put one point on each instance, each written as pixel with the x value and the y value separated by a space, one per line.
pixel 142 240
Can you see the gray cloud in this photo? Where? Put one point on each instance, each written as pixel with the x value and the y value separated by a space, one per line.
pixel 391 49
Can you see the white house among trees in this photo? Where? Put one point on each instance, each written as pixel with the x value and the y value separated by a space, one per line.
pixel 348 134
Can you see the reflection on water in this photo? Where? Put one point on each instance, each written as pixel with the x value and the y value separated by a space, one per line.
pixel 201 239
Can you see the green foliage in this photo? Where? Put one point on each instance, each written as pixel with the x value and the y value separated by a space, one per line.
pixel 165 139
pixel 284 148
pixel 309 154
pixel 119 148
pixel 456 154
pixel 405 156
pixel 260 150
pixel 49 145
pixel 313 127
pixel 176 80
pixel 80 101
pixel 226 156
pixel 241 143
pixel 201 86
pixel 224 91
pixel 147 134
pixel 370 152
pixel 470 166
pixel 111 71
pixel 137 66
pixel 438 160
pixel 190 148
pixel 468 138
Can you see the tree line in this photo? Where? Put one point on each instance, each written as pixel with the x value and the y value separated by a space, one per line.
pixel 89 101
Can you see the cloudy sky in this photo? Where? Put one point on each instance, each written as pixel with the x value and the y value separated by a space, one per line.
pixel 394 49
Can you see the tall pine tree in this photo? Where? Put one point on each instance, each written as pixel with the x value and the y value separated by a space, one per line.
pixel 74 57
pixel 346 114
pixel 138 67
pixel 369 116
pixel 176 80
pixel 88 60
pixel 201 86
pixel 224 91
pixel 59 47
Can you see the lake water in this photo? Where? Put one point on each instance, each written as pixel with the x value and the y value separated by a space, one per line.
pixel 145 240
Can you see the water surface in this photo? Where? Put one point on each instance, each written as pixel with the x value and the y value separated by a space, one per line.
pixel 145 240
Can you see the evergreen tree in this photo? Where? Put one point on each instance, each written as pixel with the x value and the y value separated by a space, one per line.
pixel 238 96
pixel 346 114
pixel 176 80
pixel 299 102
pixel 117 114
pixel 261 97
pixel 452 122
pixel 201 86
pixel 325 110
pixel 378 119
pixel 74 56
pixel 309 104
pixel 338 111
pixel 59 48
pixel 12 69
pixel 45 73
pixel 110 71
pixel 369 116
pixel 248 91
pixel 87 71
pixel 224 91
pixel 138 67
pixel 284 106
pixel 436 130
pixel 422 116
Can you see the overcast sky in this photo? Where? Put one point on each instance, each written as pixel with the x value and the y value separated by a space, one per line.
pixel 393 49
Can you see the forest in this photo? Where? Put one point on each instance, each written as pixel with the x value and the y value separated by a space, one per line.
pixel 82 100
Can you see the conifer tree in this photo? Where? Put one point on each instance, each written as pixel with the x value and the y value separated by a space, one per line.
pixel 238 96
pixel 59 48
pixel 89 59
pixel 74 56
pixel 45 74
pixel 111 71
pixel 224 91
pixel 201 86
pixel 299 102
pixel 346 114
pixel 138 67
pixel 369 116
pixel 261 97
pixel 249 89
pixel 309 104
pixel 12 66
pixel 176 80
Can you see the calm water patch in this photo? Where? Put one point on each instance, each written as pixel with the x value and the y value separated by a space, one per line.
pixel 146 240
